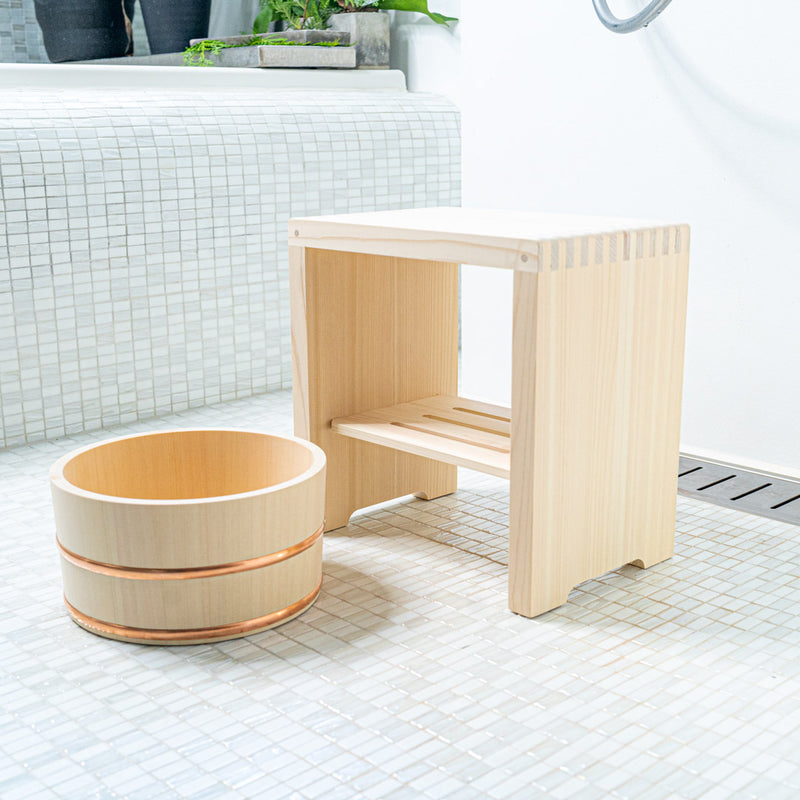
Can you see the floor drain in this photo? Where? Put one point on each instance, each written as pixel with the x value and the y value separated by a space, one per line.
pixel 732 487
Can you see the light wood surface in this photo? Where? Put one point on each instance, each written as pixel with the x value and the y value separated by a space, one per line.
pixel 454 430
pixel 222 495
pixel 599 320
pixel 190 530
pixel 596 396
pixel 185 465
pixel 367 332
pixel 487 237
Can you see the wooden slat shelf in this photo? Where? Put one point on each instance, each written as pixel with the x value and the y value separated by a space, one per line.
pixel 454 430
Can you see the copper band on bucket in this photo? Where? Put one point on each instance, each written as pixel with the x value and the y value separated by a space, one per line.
pixel 187 573
pixel 187 635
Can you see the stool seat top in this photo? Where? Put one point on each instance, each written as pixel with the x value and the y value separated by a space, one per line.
pixel 518 240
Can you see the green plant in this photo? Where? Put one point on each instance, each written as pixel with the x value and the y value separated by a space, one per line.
pixel 357 5
pixel 198 54
pixel 420 6
pixel 316 13
pixel 297 14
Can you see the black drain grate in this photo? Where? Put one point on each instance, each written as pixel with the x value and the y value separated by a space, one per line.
pixel 776 498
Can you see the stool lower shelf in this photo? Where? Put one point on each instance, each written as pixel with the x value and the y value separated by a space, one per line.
pixel 454 430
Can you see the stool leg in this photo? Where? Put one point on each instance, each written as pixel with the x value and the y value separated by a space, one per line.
pixel 537 580
pixel 370 332
pixel 595 415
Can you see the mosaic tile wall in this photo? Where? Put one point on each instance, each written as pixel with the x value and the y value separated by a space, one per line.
pixel 20 37
pixel 143 266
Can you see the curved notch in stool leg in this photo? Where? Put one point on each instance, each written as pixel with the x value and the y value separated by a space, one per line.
pixel 651 560
pixel 338 514
pixel 538 597
pixel 439 491
pixel 336 518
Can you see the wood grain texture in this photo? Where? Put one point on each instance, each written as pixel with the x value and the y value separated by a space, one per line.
pixel 173 508
pixel 222 496
pixel 487 237
pixel 370 331
pixel 596 396
pixel 189 636
pixel 454 430
pixel 598 336
pixel 201 603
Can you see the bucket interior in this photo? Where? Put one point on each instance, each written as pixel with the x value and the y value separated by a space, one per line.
pixel 181 465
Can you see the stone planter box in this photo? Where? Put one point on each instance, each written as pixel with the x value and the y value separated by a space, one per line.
pixel 288 56
pixel 303 37
pixel 369 32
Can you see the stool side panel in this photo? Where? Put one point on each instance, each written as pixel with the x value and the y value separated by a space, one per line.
pixel 595 416
pixel 377 331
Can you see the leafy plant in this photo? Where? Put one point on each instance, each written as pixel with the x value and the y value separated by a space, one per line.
pixel 316 13
pixel 263 18
pixel 197 54
pixel 357 5
pixel 297 14
pixel 420 6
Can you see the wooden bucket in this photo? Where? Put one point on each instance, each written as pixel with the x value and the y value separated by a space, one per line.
pixel 190 536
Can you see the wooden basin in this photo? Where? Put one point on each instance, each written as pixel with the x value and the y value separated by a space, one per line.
pixel 183 537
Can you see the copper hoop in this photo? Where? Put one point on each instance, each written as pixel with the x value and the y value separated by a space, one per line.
pixel 188 635
pixel 187 573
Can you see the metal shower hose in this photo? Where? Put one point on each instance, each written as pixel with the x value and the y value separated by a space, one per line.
pixel 634 23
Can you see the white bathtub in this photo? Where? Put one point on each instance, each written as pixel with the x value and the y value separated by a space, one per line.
pixel 97 76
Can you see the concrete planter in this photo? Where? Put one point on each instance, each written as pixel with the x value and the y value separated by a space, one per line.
pixel 303 37
pixel 287 57
pixel 369 31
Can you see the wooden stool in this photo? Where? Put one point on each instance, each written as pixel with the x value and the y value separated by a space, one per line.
pixel 590 443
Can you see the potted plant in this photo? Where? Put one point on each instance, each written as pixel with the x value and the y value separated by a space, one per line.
pixel 370 31
pixel 170 24
pixel 293 15
pixel 83 30
pixel 418 6
pixel 302 24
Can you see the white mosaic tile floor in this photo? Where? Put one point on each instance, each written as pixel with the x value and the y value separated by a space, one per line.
pixel 409 678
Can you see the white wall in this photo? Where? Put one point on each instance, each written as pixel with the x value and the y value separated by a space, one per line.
pixel 697 119
pixel 429 54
